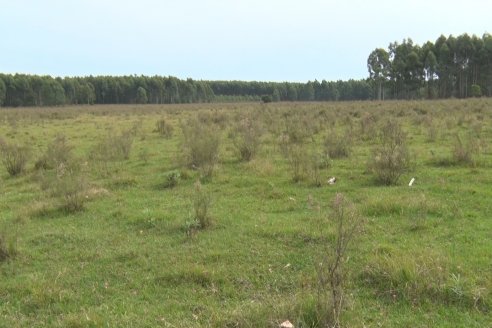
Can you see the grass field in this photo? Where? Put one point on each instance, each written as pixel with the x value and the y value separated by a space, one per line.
pixel 134 257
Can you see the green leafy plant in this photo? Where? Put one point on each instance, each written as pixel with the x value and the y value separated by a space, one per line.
pixel 171 179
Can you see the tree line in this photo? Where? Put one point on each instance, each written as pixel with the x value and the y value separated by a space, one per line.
pixel 458 67
pixel 33 90
pixel 450 67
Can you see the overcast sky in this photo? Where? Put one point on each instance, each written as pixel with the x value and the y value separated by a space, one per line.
pixel 267 40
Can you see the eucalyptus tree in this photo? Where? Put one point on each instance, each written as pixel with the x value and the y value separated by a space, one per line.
pixel 379 65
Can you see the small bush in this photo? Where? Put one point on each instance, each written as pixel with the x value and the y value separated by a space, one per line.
pixel 171 179
pixel 318 161
pixel 164 128
pixel 246 138
pixel 298 158
pixel 58 152
pixel 391 157
pixel 337 145
pixel 14 158
pixel 200 146
pixel 201 207
pixel 368 126
pixel 466 152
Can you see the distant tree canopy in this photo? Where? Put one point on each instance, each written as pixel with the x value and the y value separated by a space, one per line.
pixel 32 90
pixel 451 67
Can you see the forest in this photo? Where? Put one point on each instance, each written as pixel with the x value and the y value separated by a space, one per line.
pixel 451 67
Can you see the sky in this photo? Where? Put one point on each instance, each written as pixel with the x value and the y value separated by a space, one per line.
pixel 260 40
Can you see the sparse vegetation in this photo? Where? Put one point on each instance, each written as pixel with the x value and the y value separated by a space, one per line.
pixel 240 250
pixel 113 147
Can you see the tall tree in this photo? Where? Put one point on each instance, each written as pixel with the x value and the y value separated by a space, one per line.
pixel 378 64
pixel 141 96
pixel 3 91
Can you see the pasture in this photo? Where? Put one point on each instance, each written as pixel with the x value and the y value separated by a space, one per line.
pixel 107 226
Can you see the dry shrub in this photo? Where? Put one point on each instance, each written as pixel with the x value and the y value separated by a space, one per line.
pixel 368 128
pixel 14 157
pixel 331 271
pixel 200 146
pixel 390 157
pixel 338 145
pixel 246 138
pixel 58 152
pixel 164 128
pixel 298 158
pixel 467 151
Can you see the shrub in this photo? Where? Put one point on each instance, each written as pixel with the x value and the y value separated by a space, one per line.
pixel 391 157
pixel 58 152
pixel 466 152
pixel 164 128
pixel 337 145
pixel 368 126
pixel 200 146
pixel 171 179
pixel 331 272
pixel 246 138
pixel 201 206
pixel 318 161
pixel 14 158
pixel 298 158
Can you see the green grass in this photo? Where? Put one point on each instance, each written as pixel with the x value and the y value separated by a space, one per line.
pixel 424 259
